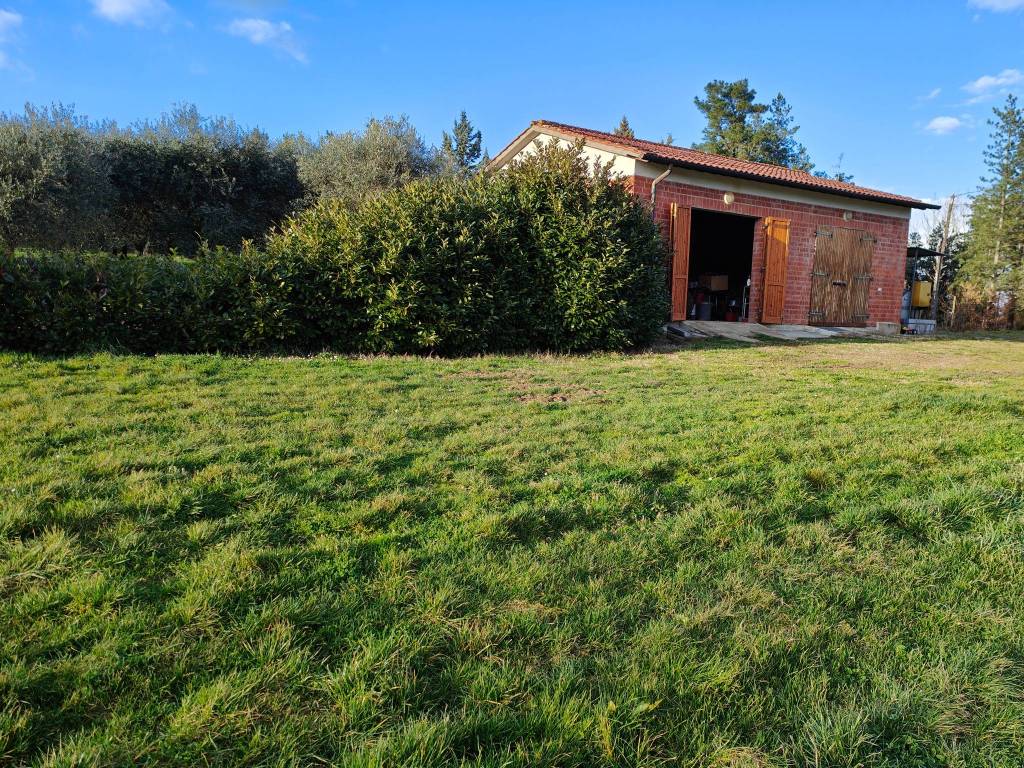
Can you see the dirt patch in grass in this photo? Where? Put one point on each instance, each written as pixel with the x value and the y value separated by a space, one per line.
pixel 527 387
pixel 564 394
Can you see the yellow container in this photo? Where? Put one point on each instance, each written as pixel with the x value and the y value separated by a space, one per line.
pixel 921 295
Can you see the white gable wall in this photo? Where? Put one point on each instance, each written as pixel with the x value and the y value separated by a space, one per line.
pixel 621 165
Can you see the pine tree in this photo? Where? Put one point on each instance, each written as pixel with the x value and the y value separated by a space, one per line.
pixel 738 126
pixel 728 109
pixel 995 258
pixel 776 136
pixel 669 139
pixel 461 150
pixel 624 129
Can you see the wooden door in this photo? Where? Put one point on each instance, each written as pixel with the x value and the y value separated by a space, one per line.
pixel 776 253
pixel 841 277
pixel 680 260
pixel 860 273
pixel 823 309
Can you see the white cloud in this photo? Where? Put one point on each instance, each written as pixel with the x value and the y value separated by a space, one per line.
pixel 943 124
pixel 276 35
pixel 933 94
pixel 9 21
pixel 999 6
pixel 138 12
pixel 987 85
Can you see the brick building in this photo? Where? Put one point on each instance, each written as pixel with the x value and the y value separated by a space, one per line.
pixel 758 242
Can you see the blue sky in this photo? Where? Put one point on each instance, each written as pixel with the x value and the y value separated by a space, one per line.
pixel 901 89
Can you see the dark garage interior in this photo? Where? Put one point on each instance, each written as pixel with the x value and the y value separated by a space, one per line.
pixel 721 255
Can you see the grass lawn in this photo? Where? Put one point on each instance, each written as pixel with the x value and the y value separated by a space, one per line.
pixel 807 554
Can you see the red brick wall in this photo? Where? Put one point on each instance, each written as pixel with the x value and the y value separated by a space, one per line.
pixel 888 262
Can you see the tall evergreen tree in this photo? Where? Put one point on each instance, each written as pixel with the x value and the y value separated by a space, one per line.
pixel 729 110
pixel 461 149
pixel 777 137
pixel 995 258
pixel 624 129
pixel 738 126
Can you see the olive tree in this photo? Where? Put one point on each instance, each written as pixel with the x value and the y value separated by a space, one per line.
pixel 54 191
pixel 352 166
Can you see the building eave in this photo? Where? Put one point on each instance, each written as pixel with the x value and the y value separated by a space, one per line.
pixel 675 162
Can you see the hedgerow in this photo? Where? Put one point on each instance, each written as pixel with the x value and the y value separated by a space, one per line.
pixel 548 254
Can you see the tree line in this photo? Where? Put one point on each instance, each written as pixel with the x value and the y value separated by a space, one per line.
pixel 551 254
pixel 977 270
pixel 991 284
pixel 183 180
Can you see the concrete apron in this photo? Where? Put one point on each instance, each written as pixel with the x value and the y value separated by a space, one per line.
pixel 749 332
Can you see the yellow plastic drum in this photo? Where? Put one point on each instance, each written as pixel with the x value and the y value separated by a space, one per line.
pixel 921 295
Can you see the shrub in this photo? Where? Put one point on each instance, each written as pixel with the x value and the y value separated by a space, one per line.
pixel 224 301
pixel 421 269
pixel 596 256
pixel 549 254
pixel 57 302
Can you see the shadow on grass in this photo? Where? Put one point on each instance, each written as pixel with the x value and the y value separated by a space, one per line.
pixel 664 344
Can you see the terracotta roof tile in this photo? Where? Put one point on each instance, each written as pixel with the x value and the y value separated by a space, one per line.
pixel 730 166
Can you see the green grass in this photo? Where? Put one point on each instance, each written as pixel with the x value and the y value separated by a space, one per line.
pixel 805 554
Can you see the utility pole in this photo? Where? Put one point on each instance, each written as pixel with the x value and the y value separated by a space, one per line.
pixel 942 250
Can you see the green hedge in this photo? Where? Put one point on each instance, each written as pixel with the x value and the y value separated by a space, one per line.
pixel 56 302
pixel 548 254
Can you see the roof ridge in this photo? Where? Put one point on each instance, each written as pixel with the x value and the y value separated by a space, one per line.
pixel 704 152
pixel 754 169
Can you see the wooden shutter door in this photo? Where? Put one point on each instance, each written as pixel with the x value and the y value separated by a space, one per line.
pixel 860 278
pixel 776 252
pixel 680 260
pixel 841 277
pixel 822 309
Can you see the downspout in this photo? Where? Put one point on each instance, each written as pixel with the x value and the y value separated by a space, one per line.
pixel 654 207
pixel 654 184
